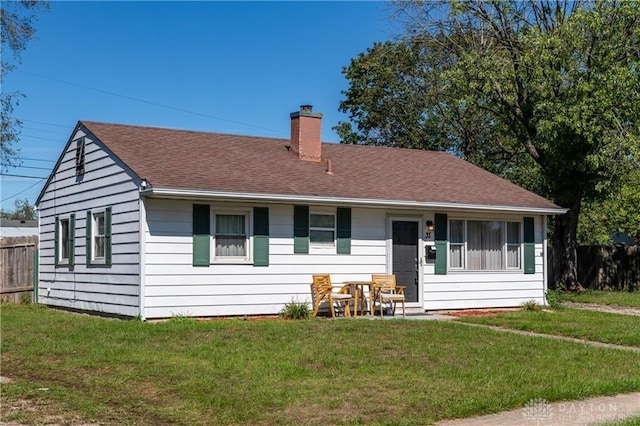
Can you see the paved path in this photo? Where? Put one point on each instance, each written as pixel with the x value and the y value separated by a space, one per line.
pixel 569 413
pixel 623 310
pixel 554 336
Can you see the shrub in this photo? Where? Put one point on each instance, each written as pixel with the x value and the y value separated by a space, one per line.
pixel 553 298
pixel 531 306
pixel 295 310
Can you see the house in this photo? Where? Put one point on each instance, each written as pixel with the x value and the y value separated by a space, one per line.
pixel 154 222
pixel 18 228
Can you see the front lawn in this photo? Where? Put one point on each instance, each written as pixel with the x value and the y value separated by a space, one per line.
pixel 615 298
pixel 75 368
pixel 582 324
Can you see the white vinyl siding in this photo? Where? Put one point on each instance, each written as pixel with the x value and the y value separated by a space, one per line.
pixel 112 289
pixel 465 289
pixel 176 287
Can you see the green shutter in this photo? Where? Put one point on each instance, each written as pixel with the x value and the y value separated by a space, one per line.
pixel 108 241
pixel 529 246
pixel 201 235
pixel 56 241
pixel 343 222
pixel 441 243
pixel 72 239
pixel 300 229
pixel 260 236
pixel 88 244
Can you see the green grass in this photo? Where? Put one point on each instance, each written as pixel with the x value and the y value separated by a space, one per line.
pixel 631 421
pixel 615 298
pixel 74 368
pixel 582 324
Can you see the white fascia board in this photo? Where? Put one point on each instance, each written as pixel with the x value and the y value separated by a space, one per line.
pixel 194 194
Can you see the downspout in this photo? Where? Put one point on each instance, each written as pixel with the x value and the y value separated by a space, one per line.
pixel 36 258
pixel 142 221
pixel 545 271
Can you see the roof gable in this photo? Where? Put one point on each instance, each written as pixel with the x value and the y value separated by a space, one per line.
pixel 188 160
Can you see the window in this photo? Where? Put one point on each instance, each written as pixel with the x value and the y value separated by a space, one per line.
pixel 98 236
pixel 456 244
pixel 322 229
pixel 513 244
pixel 80 156
pixel 231 238
pixel 480 245
pixel 64 241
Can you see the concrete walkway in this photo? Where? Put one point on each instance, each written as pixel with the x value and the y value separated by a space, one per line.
pixel 591 411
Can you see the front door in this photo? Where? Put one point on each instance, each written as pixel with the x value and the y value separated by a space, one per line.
pixel 405 257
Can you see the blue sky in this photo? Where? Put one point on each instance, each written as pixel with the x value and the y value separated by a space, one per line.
pixel 230 67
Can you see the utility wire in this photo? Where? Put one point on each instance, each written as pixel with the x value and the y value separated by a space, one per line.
pixel 37 159
pixel 32 167
pixel 40 137
pixel 23 176
pixel 42 122
pixel 21 192
pixel 144 101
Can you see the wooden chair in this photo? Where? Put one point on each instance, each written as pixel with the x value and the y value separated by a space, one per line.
pixel 323 291
pixel 386 290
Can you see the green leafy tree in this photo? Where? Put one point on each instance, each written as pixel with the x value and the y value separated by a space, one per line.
pixel 16 30
pixel 552 88
pixel 618 212
pixel 22 211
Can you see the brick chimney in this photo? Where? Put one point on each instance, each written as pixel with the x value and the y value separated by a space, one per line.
pixel 305 133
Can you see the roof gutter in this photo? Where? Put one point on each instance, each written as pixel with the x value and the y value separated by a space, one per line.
pixel 195 194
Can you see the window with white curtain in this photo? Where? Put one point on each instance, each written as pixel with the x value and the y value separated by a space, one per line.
pixel 514 241
pixel 456 244
pixel 231 237
pixel 484 245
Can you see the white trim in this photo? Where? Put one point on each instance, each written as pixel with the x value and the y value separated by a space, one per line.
pixel 63 261
pixel 328 248
pixel 98 260
pixel 142 260
pixel 309 199
pixel 545 271
pixel 236 211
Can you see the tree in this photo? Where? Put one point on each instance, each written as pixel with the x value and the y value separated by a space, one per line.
pixel 618 212
pixel 557 81
pixel 16 30
pixel 23 211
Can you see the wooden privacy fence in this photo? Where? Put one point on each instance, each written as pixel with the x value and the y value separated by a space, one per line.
pixel 18 268
pixel 602 268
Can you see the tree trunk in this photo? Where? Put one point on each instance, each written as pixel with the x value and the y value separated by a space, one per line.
pixel 564 240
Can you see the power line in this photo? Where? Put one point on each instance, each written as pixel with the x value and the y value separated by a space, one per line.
pixel 40 137
pixel 21 192
pixel 42 122
pixel 23 176
pixel 32 167
pixel 144 101
pixel 43 130
pixel 37 159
